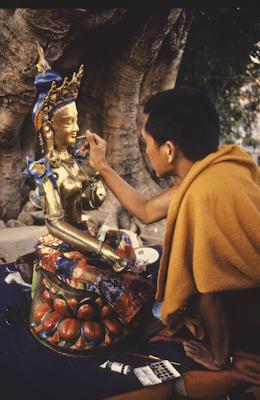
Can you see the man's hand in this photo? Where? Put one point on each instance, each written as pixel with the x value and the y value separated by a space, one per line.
pixel 98 146
pixel 247 367
pixel 201 354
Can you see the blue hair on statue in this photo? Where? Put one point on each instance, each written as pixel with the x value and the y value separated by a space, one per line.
pixel 43 83
pixel 54 92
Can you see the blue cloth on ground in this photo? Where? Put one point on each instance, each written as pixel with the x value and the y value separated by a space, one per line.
pixel 31 370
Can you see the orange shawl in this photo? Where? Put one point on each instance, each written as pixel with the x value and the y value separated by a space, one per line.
pixel 212 238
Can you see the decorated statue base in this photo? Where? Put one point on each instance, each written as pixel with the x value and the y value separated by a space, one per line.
pixel 73 322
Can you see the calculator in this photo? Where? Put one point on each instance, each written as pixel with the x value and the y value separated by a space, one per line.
pixel 157 372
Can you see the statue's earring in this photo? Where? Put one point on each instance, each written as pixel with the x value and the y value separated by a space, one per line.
pixel 48 134
pixel 47 129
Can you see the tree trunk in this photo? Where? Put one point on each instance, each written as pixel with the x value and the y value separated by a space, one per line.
pixel 162 75
pixel 127 57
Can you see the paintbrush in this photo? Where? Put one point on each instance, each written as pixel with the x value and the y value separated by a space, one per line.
pixel 150 357
pixel 80 137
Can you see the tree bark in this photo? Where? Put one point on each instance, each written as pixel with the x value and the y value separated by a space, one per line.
pixel 162 75
pixel 127 58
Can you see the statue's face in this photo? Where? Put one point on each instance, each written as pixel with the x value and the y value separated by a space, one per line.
pixel 65 124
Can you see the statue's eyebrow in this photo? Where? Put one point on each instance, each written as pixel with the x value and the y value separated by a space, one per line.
pixel 65 117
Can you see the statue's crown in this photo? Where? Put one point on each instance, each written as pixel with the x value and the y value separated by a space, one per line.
pixel 61 95
pixel 52 97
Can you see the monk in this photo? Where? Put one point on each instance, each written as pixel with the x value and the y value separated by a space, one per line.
pixel 209 275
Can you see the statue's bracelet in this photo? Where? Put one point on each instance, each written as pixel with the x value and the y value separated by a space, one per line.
pixel 225 365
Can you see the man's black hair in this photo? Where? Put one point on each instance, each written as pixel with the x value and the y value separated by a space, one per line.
pixel 185 116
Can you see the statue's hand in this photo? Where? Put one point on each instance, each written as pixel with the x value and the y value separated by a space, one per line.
pixel 99 192
pixel 109 255
pixel 98 146
pixel 125 264
pixel 120 265
pixel 94 195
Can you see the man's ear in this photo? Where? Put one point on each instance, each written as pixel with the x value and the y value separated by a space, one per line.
pixel 171 151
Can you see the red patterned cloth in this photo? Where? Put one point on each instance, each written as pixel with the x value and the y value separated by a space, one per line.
pixel 126 292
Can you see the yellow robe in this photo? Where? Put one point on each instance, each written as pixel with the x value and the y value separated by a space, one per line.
pixel 212 238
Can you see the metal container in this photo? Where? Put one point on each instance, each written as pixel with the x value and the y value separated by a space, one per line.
pixel 72 321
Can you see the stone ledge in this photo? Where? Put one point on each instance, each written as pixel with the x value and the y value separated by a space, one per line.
pixel 15 242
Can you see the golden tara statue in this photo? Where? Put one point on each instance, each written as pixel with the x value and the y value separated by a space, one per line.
pixel 83 300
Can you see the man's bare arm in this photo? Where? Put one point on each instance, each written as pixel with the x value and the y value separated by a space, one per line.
pixel 146 210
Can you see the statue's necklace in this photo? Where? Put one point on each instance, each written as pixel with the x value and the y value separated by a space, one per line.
pixel 66 157
pixel 72 165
